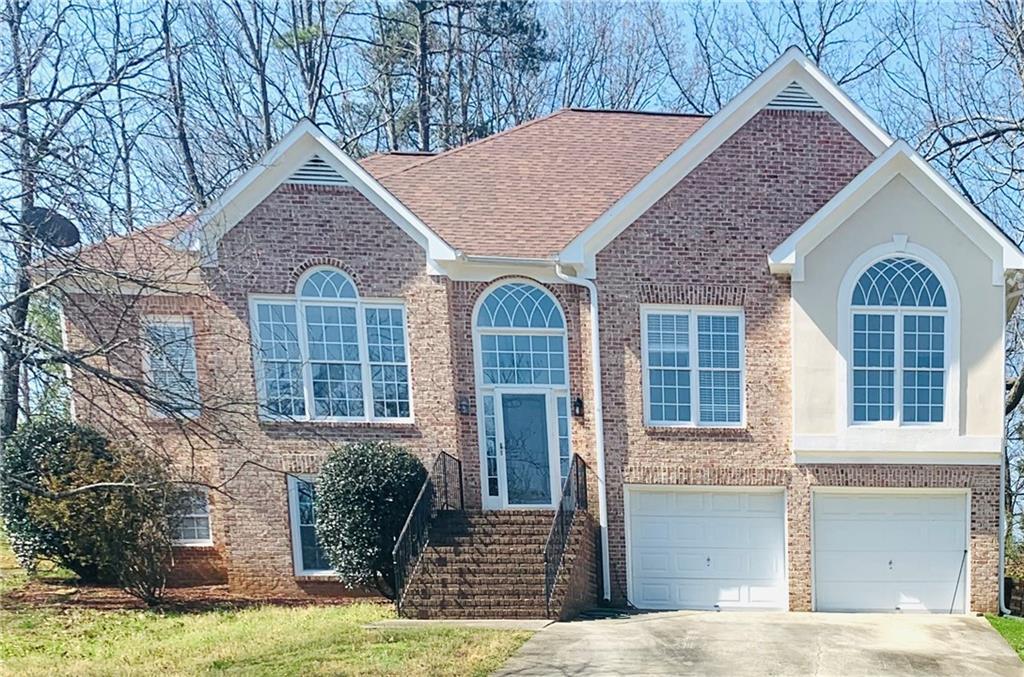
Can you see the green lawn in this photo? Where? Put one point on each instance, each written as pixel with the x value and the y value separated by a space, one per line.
pixel 1012 630
pixel 265 640
pixel 261 641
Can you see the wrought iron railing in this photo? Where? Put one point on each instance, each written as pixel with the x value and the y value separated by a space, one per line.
pixel 574 498
pixel 442 490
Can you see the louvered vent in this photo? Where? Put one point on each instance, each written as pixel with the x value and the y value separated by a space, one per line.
pixel 316 172
pixel 794 97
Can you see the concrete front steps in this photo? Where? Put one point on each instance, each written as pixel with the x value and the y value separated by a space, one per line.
pixel 490 565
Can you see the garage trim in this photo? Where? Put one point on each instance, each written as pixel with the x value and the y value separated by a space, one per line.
pixel 630 488
pixel 917 491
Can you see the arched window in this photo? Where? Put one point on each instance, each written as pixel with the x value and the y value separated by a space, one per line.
pixel 522 366
pixel 899 318
pixel 327 354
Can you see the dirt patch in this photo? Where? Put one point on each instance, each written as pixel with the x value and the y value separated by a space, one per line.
pixel 49 593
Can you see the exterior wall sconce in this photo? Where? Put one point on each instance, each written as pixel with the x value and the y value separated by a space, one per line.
pixel 463 405
pixel 577 406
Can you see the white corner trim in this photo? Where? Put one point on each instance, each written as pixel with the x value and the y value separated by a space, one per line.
pixel 899 160
pixel 792 67
pixel 304 141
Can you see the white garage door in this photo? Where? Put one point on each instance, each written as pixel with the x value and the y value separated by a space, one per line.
pixel 890 551
pixel 706 549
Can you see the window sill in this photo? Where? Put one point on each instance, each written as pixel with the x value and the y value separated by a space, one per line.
pixel 398 424
pixel 193 545
pixel 317 577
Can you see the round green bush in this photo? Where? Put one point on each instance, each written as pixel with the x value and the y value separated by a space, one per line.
pixel 363 497
pixel 37 454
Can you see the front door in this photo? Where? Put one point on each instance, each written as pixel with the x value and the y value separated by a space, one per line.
pixel 524 449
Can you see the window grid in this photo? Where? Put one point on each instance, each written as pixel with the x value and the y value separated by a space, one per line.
pixel 191 524
pixel 311 554
pixel 332 360
pixel 874 366
pixel 672 393
pixel 332 339
pixel 385 340
pixel 490 445
pixel 170 360
pixel 281 359
pixel 523 359
pixel 924 368
pixel 898 356
pixel 564 444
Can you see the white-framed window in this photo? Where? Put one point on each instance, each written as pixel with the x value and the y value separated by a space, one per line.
pixel 693 366
pixel 521 342
pixel 307 554
pixel 190 524
pixel 899 344
pixel 169 365
pixel 328 355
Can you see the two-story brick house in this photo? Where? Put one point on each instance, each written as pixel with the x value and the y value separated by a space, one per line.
pixel 774 336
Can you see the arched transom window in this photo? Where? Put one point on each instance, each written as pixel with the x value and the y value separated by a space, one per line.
pixel 899 343
pixel 327 354
pixel 522 366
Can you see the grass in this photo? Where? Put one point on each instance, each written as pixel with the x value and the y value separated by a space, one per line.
pixel 265 640
pixel 1012 630
pixel 258 641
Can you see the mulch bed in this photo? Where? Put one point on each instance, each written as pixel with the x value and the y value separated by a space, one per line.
pixel 62 594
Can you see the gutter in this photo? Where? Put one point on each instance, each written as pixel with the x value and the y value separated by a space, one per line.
pixel 595 356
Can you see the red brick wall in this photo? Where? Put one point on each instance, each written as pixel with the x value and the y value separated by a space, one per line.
pixel 707 242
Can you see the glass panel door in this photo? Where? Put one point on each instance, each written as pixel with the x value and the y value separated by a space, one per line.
pixel 527 455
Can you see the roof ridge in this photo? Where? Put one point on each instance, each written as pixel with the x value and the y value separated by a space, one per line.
pixel 627 111
pixel 452 151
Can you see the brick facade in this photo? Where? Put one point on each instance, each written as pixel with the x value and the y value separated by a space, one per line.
pixel 705 242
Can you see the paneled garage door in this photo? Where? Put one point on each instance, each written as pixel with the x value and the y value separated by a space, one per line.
pixel 706 549
pixel 889 551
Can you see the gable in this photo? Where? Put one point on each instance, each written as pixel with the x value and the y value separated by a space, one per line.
pixel 791 83
pixel 306 156
pixel 876 180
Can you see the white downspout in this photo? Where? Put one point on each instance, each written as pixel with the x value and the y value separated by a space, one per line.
pixel 595 356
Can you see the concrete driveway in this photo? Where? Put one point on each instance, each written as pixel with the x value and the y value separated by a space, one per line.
pixel 739 643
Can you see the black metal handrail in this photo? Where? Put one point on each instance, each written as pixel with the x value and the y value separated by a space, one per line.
pixel 574 497
pixel 442 490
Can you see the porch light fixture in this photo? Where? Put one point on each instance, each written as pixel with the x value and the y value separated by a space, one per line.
pixel 463 405
pixel 577 406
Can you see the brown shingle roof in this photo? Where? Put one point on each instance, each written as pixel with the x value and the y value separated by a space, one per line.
pixel 388 163
pixel 528 191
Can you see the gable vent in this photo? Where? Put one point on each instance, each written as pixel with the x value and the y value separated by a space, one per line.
pixel 316 172
pixel 794 97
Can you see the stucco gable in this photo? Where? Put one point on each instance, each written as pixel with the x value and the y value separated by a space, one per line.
pixel 899 160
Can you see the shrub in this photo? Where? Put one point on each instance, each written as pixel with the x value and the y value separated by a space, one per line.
pixel 97 510
pixel 363 496
pixel 36 452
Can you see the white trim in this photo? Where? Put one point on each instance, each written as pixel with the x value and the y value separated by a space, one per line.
pixel 693 311
pixel 822 454
pixel 294 524
pixel 361 305
pixel 152 319
pixel 792 66
pixel 899 160
pixel 629 488
pixel 291 153
pixel 893 435
pixel 552 391
pixel 905 491
pixel 197 542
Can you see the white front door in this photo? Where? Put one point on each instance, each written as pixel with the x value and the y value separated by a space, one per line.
pixel 528 468
pixel 706 548
pixel 890 550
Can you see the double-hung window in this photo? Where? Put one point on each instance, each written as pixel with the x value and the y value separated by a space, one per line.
pixel 190 523
pixel 328 354
pixel 693 366
pixel 308 555
pixel 899 333
pixel 169 364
